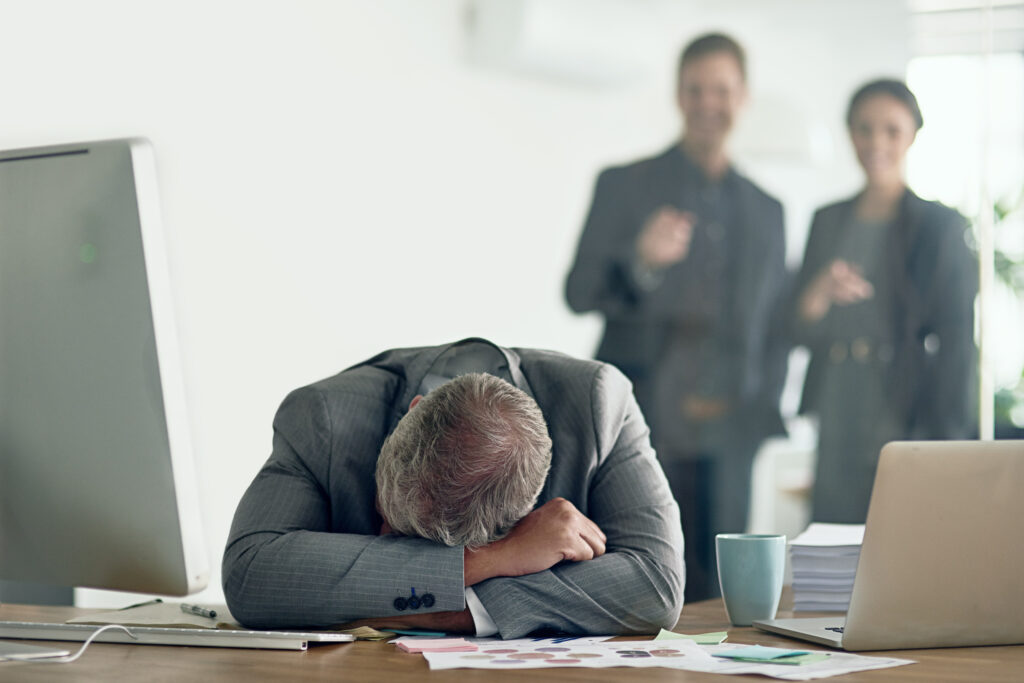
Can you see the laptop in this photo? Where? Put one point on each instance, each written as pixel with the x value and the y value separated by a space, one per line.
pixel 943 552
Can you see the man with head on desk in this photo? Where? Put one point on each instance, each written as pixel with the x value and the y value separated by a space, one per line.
pixel 463 488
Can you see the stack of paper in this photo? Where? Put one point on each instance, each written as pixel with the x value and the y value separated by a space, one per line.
pixel 824 559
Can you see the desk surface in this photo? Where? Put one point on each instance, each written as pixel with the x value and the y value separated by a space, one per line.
pixel 378 661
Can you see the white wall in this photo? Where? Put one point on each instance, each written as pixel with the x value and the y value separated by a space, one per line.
pixel 338 178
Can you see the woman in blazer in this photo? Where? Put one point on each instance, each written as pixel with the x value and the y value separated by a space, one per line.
pixel 885 304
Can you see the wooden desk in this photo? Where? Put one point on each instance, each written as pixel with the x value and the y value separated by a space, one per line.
pixel 377 661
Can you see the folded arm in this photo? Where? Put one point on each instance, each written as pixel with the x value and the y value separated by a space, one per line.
pixel 555 532
pixel 297 556
pixel 636 586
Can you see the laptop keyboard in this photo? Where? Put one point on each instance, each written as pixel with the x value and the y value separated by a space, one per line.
pixel 837 629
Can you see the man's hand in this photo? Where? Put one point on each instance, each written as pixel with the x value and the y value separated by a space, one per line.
pixel 554 532
pixel 840 282
pixel 665 237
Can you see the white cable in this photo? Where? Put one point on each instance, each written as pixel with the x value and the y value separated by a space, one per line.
pixel 68 658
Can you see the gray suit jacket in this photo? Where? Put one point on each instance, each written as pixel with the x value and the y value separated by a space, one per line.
pixel 639 322
pixel 936 278
pixel 304 548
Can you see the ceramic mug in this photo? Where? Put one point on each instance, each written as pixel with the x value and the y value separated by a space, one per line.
pixel 750 573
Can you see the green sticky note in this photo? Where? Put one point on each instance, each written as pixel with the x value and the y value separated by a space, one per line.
pixel 405 632
pixel 809 658
pixel 715 638
pixel 760 653
pixel 795 660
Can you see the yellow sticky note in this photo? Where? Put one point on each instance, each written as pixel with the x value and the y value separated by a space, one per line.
pixel 701 639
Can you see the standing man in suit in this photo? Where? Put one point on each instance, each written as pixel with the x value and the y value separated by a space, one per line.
pixel 465 488
pixel 685 258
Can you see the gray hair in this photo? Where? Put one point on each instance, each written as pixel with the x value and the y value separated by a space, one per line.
pixel 466 464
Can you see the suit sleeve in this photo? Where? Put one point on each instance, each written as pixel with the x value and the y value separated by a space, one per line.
pixel 637 585
pixel 816 254
pixel 288 564
pixel 777 344
pixel 952 373
pixel 601 278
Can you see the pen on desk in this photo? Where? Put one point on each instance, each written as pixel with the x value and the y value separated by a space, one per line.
pixel 197 610
pixel 142 604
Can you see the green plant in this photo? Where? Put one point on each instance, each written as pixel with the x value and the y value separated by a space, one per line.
pixel 1009 269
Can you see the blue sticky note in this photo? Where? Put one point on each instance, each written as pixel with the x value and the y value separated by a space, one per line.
pixel 760 653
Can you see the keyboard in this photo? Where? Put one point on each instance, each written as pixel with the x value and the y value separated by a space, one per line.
pixel 153 635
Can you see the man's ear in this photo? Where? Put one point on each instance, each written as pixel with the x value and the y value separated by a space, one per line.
pixel 414 401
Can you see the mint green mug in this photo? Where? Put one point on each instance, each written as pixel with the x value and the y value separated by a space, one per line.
pixel 750 572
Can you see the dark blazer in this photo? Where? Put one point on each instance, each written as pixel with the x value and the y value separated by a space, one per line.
pixel 639 322
pixel 305 549
pixel 935 278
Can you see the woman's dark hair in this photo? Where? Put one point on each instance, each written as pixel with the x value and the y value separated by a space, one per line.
pixel 712 43
pixel 893 88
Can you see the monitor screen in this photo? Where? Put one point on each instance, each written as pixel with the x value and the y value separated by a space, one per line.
pixel 97 486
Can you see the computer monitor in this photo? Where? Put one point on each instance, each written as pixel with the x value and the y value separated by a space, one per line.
pixel 97 485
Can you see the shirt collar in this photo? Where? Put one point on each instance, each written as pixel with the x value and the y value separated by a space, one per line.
pixel 435 365
pixel 693 173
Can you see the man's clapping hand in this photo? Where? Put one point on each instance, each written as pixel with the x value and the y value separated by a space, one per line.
pixel 665 237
